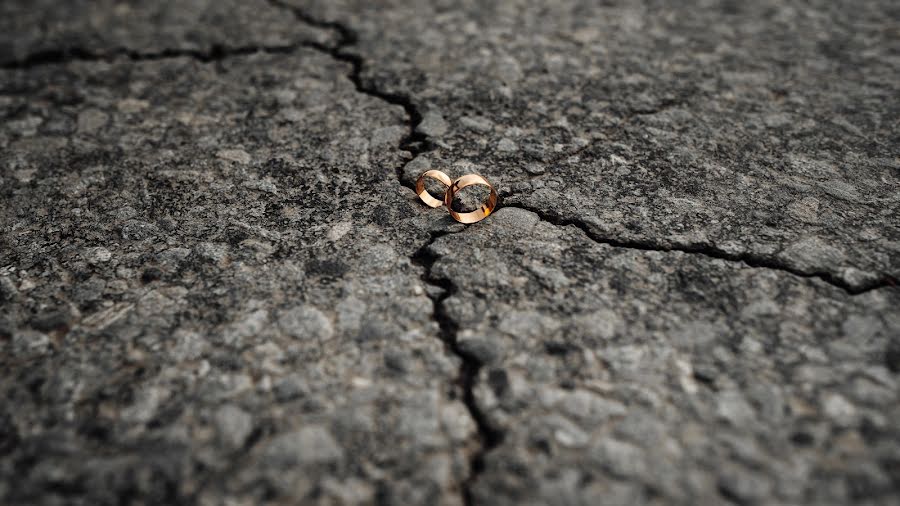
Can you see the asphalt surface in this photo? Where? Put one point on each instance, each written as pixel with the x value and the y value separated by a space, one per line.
pixel 218 287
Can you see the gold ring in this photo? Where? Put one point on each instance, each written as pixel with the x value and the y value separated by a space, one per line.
pixel 478 214
pixel 423 193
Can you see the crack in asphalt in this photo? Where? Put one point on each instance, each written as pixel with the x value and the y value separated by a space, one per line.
pixel 489 435
pixel 416 143
pixel 751 260
pixel 215 53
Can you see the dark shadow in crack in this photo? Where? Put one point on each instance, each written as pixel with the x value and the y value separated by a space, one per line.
pixel 749 259
pixel 215 53
pixel 414 142
pixel 489 435
pixel 417 143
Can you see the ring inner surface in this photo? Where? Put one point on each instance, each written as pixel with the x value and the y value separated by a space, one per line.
pixel 470 198
pixel 479 214
pixel 435 188
pixel 426 179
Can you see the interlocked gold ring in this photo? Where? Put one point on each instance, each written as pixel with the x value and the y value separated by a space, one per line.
pixel 478 214
pixel 423 193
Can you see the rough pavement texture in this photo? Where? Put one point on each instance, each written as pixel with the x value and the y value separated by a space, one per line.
pixel 217 287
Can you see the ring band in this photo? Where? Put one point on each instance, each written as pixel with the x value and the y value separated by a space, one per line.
pixel 423 193
pixel 478 214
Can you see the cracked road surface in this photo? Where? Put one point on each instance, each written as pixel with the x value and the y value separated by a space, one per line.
pixel 217 287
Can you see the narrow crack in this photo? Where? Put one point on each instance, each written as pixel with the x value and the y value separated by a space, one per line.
pixel 414 142
pixel 489 436
pixel 417 143
pixel 215 53
pixel 749 259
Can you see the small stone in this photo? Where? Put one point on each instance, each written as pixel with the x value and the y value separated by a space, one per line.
pixel 514 218
pixel 568 434
pixel 136 230
pixel 507 145
pixel 477 123
pixel 535 168
pixel 415 168
pixel 339 230
pixel 805 210
pixel 397 361
pixel 381 258
pixel 235 155
pixel 305 322
pixel 264 185
pixel 528 324
pixel 746 486
pixel 599 325
pixel 810 252
pixel 97 255
pixel 132 105
pixel 173 257
pixel 27 126
pixel 457 421
pixel 91 120
pixel 840 410
pixel 621 458
pixel 28 342
pixel 350 312
pixel 52 320
pixel 308 445
pixel 289 388
pixel 8 290
pixel 247 327
pixel 146 405
pixel 432 125
pixel 234 425
pixel 484 349
pixel 211 251
pixel 841 190
pixel 24 175
pixel 733 407
pixel 590 406
pixel 388 136
pixel 188 345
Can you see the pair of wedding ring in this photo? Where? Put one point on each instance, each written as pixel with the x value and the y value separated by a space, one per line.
pixel 452 189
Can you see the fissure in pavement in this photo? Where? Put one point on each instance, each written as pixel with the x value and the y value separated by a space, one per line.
pixel 416 144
